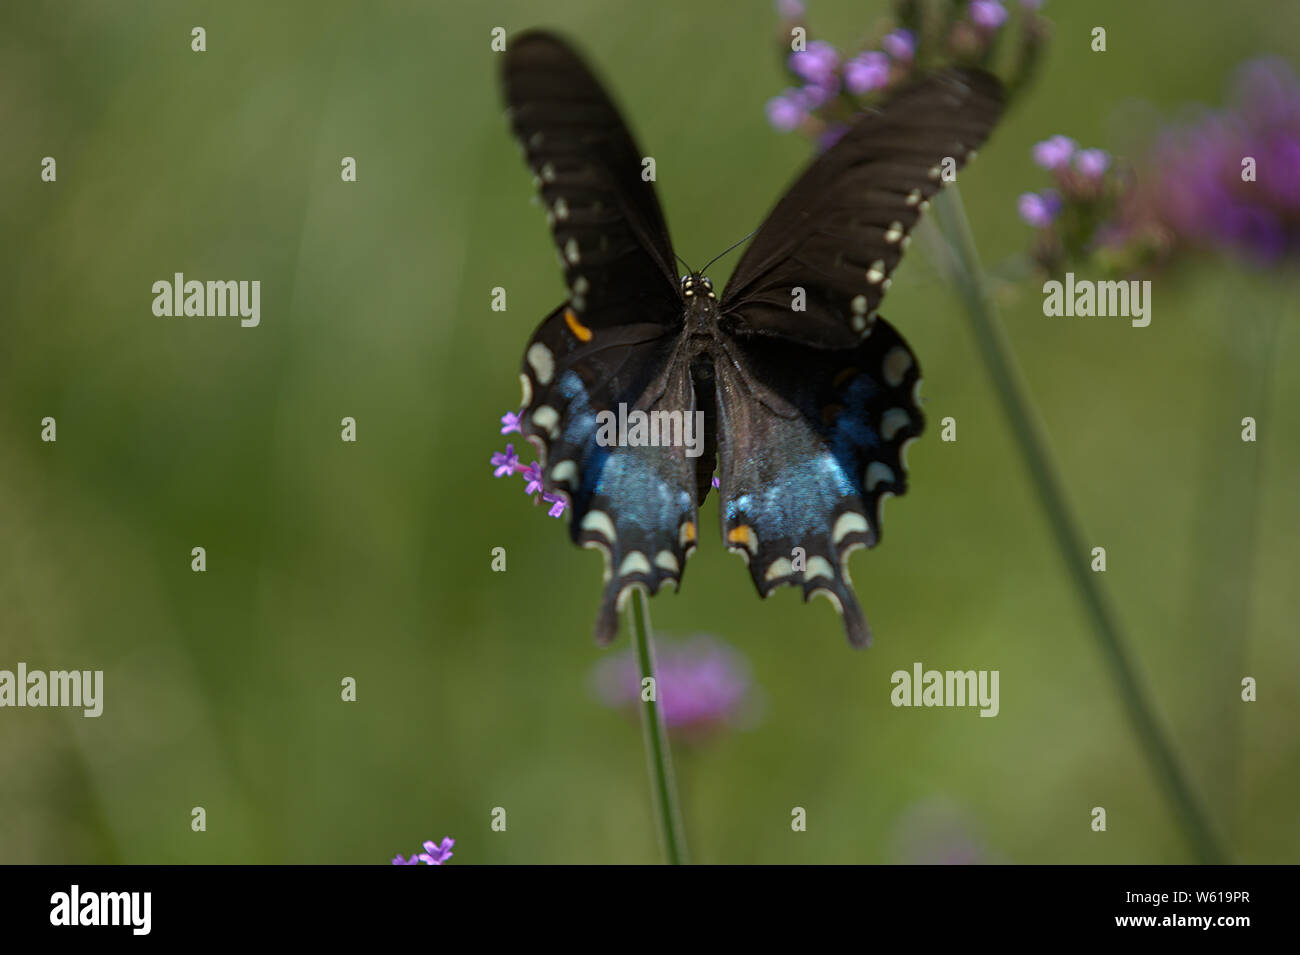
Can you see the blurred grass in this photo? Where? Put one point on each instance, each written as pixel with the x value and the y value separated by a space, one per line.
pixel 372 560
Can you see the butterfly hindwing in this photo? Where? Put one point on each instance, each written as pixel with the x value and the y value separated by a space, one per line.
pixel 840 230
pixel 636 504
pixel 811 442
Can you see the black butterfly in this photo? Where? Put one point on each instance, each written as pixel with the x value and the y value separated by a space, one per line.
pixel 808 411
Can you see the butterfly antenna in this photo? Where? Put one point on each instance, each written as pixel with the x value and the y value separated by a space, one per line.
pixel 728 249
pixel 689 270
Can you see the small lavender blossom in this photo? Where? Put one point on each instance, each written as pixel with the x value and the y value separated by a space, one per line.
pixel 816 64
pixel 987 14
pixel 398 860
pixel 702 684
pixel 1093 163
pixel 437 853
pixel 558 504
pixel 510 422
pixel 717 482
pixel 900 44
pixel 532 476
pixel 1054 153
pixel 1039 209
pixel 786 111
pixel 866 72
pixel 818 93
pixel 506 463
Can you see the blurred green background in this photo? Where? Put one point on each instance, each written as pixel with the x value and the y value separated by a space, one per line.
pixel 371 559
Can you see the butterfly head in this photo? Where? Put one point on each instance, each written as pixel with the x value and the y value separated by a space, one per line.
pixel 696 284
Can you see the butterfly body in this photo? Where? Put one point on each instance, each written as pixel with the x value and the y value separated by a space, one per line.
pixel 806 398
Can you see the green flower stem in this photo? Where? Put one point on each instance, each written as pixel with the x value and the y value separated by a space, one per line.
pixel 968 276
pixel 659 759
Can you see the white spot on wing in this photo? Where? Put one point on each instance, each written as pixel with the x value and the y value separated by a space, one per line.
pixel 846 524
pixel 829 595
pixel 781 567
pixel 819 567
pixel 878 472
pixel 542 362
pixel 896 365
pixel 598 522
pixel 634 563
pixel 548 419
pixel 893 421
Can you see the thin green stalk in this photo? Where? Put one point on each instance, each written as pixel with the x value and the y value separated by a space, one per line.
pixel 968 276
pixel 659 760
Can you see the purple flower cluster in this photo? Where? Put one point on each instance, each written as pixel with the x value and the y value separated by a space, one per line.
pixel 824 75
pixel 1079 175
pixel 831 87
pixel 1069 214
pixel 1230 180
pixel 702 684
pixel 434 853
pixel 506 463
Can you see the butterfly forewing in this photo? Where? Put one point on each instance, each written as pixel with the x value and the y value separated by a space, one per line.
pixel 608 228
pixel 840 230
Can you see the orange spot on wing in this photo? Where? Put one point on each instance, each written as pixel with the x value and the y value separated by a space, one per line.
pixel 689 528
pixel 739 535
pixel 580 331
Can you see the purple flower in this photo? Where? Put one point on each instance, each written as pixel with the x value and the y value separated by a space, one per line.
pixel 505 463
pixel 816 64
pixel 717 482
pixel 1039 209
pixel 702 684
pixel 558 504
pixel 509 422
pixel 532 476
pixel 900 44
pixel 435 853
pixel 818 94
pixel 866 72
pixel 987 14
pixel 1055 152
pixel 1199 190
pixel 398 860
pixel 1092 162
pixel 786 111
